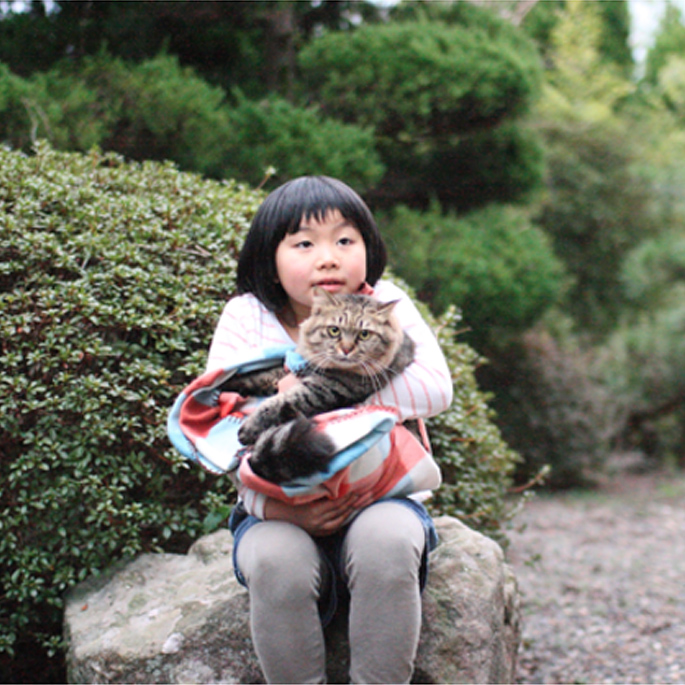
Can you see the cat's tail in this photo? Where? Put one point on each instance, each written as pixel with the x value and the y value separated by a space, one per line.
pixel 291 451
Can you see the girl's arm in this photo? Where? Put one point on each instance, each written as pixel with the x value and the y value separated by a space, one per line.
pixel 244 325
pixel 425 387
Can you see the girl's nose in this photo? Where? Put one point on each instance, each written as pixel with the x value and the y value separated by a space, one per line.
pixel 327 259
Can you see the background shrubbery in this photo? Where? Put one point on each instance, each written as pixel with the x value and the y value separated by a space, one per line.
pixel 112 277
pixel 494 262
pixel 532 179
pixel 160 110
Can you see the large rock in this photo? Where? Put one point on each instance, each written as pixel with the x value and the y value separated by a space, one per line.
pixel 166 618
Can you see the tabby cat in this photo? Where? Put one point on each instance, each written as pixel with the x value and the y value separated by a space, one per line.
pixel 352 345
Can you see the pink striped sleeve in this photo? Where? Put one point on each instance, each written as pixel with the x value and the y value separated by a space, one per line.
pixel 425 387
pixel 245 324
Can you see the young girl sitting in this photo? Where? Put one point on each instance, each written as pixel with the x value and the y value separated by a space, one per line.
pixel 294 559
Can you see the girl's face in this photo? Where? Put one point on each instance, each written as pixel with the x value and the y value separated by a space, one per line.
pixel 330 254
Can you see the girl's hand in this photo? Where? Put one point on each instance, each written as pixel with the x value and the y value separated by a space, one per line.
pixel 319 518
pixel 287 382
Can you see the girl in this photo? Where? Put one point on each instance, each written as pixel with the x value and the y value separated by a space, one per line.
pixel 316 231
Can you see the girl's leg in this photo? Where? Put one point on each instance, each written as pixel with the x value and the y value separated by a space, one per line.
pixel 285 573
pixel 382 556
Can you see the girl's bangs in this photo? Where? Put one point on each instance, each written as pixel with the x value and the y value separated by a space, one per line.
pixel 318 198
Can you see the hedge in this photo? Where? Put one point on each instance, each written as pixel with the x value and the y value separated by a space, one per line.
pixel 112 277
pixel 498 265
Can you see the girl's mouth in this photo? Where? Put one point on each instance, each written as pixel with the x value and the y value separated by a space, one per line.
pixel 331 286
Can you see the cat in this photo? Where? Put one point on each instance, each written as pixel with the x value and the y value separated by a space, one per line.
pixel 352 346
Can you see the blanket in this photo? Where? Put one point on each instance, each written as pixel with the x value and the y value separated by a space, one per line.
pixel 374 452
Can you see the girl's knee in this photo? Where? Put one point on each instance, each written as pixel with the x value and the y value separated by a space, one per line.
pixel 280 559
pixel 387 539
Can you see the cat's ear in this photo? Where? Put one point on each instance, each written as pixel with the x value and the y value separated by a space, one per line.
pixel 384 307
pixel 323 296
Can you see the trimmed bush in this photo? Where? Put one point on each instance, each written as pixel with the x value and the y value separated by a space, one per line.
pixel 493 263
pixel 442 91
pixel 297 141
pixel 112 278
pixel 160 110
pixel 418 79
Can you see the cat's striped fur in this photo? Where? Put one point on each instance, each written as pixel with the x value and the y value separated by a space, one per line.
pixel 353 346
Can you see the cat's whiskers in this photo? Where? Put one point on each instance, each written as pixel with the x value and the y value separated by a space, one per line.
pixel 376 373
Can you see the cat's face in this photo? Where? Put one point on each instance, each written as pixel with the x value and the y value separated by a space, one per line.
pixel 350 332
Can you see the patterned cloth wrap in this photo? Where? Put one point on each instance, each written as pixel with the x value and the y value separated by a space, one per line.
pixel 374 452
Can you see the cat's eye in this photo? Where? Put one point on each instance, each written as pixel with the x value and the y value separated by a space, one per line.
pixel 334 331
pixel 364 335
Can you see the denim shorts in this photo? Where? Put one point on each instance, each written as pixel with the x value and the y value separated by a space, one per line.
pixel 331 549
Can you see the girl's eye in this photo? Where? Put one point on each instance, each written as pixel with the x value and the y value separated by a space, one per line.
pixel 346 241
pixel 304 243
pixel 364 335
pixel 334 331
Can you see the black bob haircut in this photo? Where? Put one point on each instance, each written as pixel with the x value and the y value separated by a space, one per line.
pixel 281 214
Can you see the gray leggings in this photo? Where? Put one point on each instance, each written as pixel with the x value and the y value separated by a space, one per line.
pixel 286 574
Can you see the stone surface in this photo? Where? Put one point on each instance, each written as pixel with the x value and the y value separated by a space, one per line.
pixel 166 618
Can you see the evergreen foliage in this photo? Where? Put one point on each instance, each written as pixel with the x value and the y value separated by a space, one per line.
pixel 297 141
pixel 499 267
pixel 598 204
pixel 641 364
pixel 614 29
pixel 154 110
pixel 668 42
pixel 112 277
pixel 435 93
pixel 231 43
pixel 416 80
pixel 159 110
pixel 553 410
pixel 596 211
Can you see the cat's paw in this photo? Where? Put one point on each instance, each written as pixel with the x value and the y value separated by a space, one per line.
pixel 249 431
pixel 267 415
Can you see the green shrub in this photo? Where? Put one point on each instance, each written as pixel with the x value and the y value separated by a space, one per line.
pixel 492 263
pixel 112 278
pixel 596 210
pixel 417 79
pixel 477 465
pixel 552 409
pixel 297 141
pixel 641 364
pixel 17 119
pixel 437 93
pixel 162 111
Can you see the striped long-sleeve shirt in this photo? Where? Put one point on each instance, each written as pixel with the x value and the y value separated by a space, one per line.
pixel 424 389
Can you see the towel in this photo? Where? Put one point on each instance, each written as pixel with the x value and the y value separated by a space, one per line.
pixel 374 452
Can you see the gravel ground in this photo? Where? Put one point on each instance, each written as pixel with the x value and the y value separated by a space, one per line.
pixel 602 578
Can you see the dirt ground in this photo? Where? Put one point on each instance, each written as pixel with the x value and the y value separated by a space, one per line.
pixel 602 577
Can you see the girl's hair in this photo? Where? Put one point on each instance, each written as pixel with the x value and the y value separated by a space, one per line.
pixel 281 214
